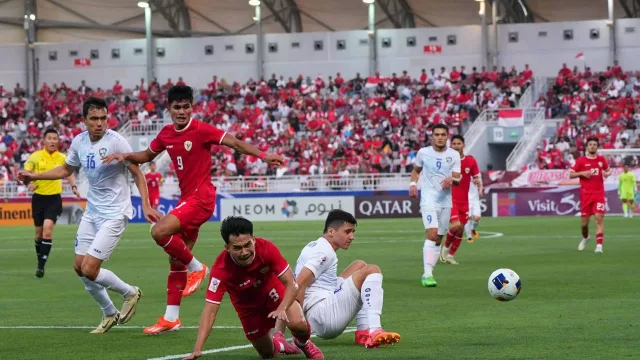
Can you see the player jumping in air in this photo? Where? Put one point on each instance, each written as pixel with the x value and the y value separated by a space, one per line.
pixel 475 213
pixel 440 169
pixel 592 169
pixel 627 190
pixel 188 142
pixel 108 210
pixel 154 180
pixel 459 213
pixel 331 302
pixel 262 289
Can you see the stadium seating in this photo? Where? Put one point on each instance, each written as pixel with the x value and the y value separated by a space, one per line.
pixel 588 104
pixel 323 126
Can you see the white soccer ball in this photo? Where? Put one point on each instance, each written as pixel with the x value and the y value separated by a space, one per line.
pixel 504 284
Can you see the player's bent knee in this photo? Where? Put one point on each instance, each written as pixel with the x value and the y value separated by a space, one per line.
pixel 373 269
pixel 77 268
pixel 90 271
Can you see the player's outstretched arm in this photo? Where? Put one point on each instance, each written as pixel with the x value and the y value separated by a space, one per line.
pixel 304 280
pixel 139 157
pixel 207 319
pixel 151 214
pixel 55 174
pixel 413 185
pixel 248 149
pixel 290 294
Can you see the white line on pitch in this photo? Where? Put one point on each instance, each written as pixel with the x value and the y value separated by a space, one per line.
pixel 93 327
pixel 224 349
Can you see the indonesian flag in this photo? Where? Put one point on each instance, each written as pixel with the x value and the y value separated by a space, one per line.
pixel 580 56
pixel 510 117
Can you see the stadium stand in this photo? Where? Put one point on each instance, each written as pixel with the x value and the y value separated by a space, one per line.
pixel 339 125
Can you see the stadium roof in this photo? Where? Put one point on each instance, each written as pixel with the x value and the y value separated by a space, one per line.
pixel 85 20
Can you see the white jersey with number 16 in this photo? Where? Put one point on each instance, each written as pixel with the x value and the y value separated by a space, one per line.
pixel 436 166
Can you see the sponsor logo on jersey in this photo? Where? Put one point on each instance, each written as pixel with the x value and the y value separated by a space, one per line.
pixel 213 285
pixel 245 283
pixel 187 145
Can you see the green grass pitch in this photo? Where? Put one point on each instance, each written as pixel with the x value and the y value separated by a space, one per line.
pixel 573 305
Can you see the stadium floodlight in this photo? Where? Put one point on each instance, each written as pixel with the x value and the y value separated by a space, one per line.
pixel 143 4
pixel 32 17
pixel 368 1
pixel 254 2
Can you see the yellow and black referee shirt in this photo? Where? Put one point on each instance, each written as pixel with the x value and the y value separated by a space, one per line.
pixel 41 161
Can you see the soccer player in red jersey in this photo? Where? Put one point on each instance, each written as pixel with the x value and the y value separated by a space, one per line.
pixel 592 169
pixel 154 179
pixel 460 200
pixel 188 142
pixel 262 289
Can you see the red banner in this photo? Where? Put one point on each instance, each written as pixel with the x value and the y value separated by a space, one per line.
pixel 82 62
pixel 433 49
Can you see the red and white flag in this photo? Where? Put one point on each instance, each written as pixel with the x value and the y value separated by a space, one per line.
pixel 580 56
pixel 511 117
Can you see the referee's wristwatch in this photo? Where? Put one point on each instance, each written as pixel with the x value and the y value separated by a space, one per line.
pixel 74 187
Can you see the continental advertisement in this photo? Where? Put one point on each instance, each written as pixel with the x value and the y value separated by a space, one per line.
pixel 17 213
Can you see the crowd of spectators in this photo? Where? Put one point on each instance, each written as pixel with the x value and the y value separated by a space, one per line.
pixel 323 125
pixel 603 104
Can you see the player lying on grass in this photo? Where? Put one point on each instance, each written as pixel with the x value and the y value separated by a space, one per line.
pixel 331 302
pixel 262 289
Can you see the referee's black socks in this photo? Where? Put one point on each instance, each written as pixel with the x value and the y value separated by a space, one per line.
pixel 38 243
pixel 45 249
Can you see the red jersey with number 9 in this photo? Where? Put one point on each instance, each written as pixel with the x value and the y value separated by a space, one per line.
pixel 190 152
pixel 596 166
pixel 250 288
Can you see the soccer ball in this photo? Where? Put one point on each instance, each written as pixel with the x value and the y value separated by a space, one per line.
pixel 504 284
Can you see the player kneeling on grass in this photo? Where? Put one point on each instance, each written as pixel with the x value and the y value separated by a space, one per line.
pixel 331 302
pixel 262 289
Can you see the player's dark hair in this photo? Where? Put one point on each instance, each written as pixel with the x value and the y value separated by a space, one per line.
pixel 593 138
pixel 337 218
pixel 50 131
pixel 236 226
pixel 180 93
pixel 93 103
pixel 459 137
pixel 440 126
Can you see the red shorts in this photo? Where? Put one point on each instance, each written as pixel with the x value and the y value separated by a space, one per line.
pixel 192 213
pixel 154 200
pixel 255 322
pixel 591 204
pixel 460 212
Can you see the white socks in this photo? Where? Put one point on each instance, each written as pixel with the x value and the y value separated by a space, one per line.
pixel 467 229
pixel 172 313
pixel 372 296
pixel 362 321
pixel 194 265
pixel 100 295
pixel 430 254
pixel 111 281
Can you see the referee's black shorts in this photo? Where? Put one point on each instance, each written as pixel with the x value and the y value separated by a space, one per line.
pixel 45 207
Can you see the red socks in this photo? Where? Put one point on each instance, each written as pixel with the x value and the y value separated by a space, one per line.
pixel 455 243
pixel 175 246
pixel 176 282
pixel 599 238
pixel 302 338
pixel 450 238
pixel 585 233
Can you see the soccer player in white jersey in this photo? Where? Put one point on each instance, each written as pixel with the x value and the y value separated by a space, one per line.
pixel 107 213
pixel 439 166
pixel 330 302
pixel 474 213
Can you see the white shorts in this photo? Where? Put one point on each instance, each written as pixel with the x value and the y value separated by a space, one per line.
pixel 97 236
pixel 436 219
pixel 331 316
pixel 474 209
